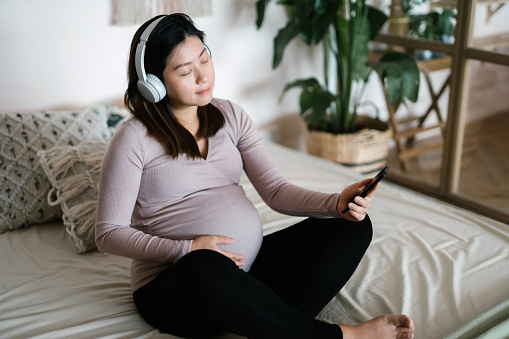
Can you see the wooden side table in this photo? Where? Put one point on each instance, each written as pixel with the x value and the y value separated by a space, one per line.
pixel 404 137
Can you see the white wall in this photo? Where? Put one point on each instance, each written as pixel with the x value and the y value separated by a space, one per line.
pixel 58 53
pixel 65 53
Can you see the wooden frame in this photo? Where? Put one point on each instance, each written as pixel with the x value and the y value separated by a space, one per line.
pixel 493 6
pixel 462 52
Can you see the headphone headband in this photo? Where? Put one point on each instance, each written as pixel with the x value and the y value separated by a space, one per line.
pixel 149 85
pixel 140 49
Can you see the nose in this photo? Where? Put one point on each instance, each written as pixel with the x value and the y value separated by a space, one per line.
pixel 201 77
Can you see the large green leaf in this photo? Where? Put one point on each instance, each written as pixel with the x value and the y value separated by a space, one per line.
pixel 324 17
pixel 314 100
pixel 401 74
pixel 303 83
pixel 360 33
pixel 340 46
pixel 303 15
pixel 376 19
pixel 284 36
pixel 314 103
pixel 261 6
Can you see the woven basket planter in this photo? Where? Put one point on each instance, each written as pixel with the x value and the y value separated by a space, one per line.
pixel 364 151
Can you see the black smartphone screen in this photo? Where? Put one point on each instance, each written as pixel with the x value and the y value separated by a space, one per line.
pixel 366 190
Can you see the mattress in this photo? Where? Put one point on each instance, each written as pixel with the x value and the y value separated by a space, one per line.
pixel 441 265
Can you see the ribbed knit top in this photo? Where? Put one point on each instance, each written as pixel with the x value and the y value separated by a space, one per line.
pixel 151 206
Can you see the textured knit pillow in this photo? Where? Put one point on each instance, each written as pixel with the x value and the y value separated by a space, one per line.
pixel 74 175
pixel 23 185
pixel 116 117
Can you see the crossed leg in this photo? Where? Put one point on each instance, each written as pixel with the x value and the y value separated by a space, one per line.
pixel 308 263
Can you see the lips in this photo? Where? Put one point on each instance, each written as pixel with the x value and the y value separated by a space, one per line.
pixel 206 91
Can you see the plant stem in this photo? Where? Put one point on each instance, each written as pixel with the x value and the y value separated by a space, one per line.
pixel 326 51
pixel 338 125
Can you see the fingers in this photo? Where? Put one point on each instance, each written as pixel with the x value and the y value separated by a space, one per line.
pixel 237 258
pixel 372 192
pixel 362 205
pixel 223 240
pixel 359 207
pixel 357 210
pixel 366 182
pixel 210 242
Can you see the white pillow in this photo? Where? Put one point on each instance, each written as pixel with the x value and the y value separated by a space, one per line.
pixel 74 174
pixel 23 185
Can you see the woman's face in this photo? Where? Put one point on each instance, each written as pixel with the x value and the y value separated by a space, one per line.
pixel 189 75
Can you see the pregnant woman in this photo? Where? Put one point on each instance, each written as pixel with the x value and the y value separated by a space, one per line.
pixel 170 199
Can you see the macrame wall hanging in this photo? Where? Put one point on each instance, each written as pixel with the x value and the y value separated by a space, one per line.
pixel 134 12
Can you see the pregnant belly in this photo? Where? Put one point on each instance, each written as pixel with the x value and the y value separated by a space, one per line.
pixel 222 211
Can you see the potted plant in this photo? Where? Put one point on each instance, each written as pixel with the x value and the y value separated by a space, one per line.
pixel 330 110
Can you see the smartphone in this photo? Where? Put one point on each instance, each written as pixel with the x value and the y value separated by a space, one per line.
pixel 366 190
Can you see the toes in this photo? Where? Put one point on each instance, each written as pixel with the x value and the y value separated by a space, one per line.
pixel 404 327
pixel 403 321
pixel 404 333
pixel 408 322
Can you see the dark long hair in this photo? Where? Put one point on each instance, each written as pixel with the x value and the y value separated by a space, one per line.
pixel 158 117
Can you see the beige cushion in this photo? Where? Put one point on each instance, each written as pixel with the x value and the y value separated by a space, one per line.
pixel 74 175
pixel 23 185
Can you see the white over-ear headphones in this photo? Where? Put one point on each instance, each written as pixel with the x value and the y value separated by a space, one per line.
pixel 149 85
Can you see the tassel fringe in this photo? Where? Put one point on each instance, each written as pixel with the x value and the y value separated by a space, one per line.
pixel 84 213
pixel 74 174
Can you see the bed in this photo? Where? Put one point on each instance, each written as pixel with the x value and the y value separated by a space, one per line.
pixel 445 267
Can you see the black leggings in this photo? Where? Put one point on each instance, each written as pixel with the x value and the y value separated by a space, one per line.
pixel 296 273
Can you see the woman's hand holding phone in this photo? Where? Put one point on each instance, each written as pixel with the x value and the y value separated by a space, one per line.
pixel 353 207
pixel 355 200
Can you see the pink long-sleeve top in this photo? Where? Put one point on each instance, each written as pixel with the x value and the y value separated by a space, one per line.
pixel 151 206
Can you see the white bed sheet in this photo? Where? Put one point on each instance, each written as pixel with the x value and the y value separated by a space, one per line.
pixel 437 263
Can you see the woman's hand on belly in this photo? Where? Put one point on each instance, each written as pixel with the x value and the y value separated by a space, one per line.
pixel 210 242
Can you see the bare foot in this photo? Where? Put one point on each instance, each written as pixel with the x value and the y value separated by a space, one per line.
pixel 382 327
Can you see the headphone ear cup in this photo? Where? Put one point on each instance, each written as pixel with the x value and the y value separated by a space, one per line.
pixel 153 89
